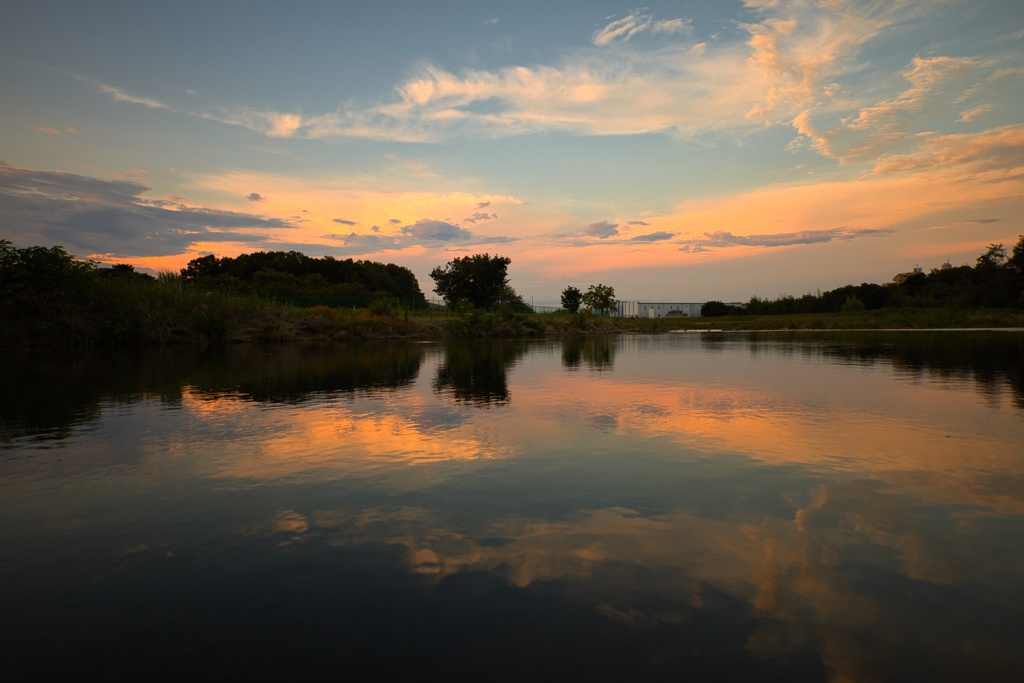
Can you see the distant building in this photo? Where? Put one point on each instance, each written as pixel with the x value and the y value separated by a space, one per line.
pixel 643 309
pixel 900 278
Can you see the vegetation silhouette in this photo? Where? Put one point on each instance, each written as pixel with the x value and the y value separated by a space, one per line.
pixel 714 309
pixel 278 374
pixel 597 352
pixel 477 372
pixel 995 281
pixel 47 297
pixel 480 280
pixel 993 360
pixel 279 274
pixel 599 298
pixel 571 299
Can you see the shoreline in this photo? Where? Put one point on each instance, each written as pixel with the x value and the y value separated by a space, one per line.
pixel 856 329
pixel 234 320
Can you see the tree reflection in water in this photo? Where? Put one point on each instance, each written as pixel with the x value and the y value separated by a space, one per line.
pixel 713 507
pixel 476 371
pixel 596 352
pixel 45 393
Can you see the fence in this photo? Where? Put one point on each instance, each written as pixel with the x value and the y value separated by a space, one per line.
pixel 365 302
pixel 351 302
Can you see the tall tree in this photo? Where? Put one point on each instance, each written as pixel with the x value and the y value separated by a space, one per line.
pixel 1016 261
pixel 599 298
pixel 993 258
pixel 571 299
pixel 480 279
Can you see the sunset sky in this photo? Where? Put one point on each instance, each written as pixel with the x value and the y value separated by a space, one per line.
pixel 679 151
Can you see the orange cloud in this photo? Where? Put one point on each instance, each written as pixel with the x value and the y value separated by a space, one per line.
pixel 330 442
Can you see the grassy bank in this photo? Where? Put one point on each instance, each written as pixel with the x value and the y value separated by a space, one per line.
pixel 885 318
pixel 117 312
pixel 126 311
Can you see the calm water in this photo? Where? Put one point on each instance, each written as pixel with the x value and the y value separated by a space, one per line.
pixel 843 507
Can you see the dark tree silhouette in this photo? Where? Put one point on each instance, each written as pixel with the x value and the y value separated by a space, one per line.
pixel 713 309
pixel 599 297
pixel 571 299
pixel 481 280
pixel 292 274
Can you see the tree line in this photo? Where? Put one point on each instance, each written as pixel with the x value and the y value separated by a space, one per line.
pixel 996 280
pixel 280 274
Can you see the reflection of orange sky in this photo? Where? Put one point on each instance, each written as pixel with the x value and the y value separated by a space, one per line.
pixel 937 451
pixel 890 473
pixel 328 439
pixel 787 570
pixel 940 459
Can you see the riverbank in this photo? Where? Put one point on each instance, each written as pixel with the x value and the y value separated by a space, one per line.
pixel 881 319
pixel 123 313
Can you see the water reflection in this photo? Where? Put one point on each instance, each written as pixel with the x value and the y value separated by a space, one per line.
pixel 993 360
pixel 833 578
pixel 476 371
pixel 289 374
pixel 791 509
pixel 45 393
pixel 597 352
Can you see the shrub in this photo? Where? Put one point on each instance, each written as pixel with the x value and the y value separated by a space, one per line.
pixel 853 305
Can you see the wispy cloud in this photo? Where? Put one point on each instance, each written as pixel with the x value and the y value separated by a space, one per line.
pixel 624 28
pixel 723 238
pixel 50 130
pixel 120 95
pixel 366 242
pixel 682 26
pixel 601 230
pixel 936 84
pixel 342 221
pixel 592 94
pixel 477 217
pixel 801 47
pixel 437 231
pixel 796 63
pixel 811 57
pixel 970 114
pixel 653 237
pixel 424 233
pixel 993 154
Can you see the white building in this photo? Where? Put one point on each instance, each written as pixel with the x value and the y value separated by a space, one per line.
pixel 642 309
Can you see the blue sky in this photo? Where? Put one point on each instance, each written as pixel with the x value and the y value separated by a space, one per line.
pixel 679 151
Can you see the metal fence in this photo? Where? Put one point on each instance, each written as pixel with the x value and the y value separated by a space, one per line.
pixel 351 302
pixel 366 302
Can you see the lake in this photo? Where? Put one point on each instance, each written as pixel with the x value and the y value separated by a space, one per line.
pixel 793 507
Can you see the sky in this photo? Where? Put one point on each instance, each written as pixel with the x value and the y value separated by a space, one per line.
pixel 678 151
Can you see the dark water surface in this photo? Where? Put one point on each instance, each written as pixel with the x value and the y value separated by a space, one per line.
pixel 804 507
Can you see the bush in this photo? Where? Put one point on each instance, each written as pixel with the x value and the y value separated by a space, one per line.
pixel 713 309
pixel 382 308
pixel 853 305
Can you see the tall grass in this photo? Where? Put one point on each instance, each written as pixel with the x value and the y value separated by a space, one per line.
pixel 125 311
pixel 119 311
pixel 885 318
